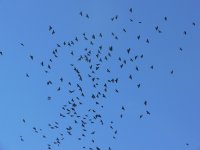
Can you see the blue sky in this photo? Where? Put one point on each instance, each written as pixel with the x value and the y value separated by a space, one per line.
pixel 173 99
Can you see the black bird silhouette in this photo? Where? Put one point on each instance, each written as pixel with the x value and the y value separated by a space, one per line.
pixel 42 63
pixel 148 113
pixel 130 76
pixel 172 71
pixel 138 85
pixel 156 28
pixel 100 34
pixel 58 89
pixel 128 50
pixel 21 138
pixel 21 44
pixel 27 75
pixel 50 28
pixel 31 57
pixel 87 16
pixel 49 82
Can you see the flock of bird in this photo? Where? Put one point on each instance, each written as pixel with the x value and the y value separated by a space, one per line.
pixel 96 59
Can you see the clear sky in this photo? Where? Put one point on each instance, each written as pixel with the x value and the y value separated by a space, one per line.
pixel 173 100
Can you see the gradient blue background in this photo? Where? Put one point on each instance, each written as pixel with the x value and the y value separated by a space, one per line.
pixel 173 100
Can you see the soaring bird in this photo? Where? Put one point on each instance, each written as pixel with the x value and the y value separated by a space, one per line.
pixel 124 30
pixel 21 44
pixel 130 76
pixel 42 63
pixel 27 75
pixel 147 41
pixel 21 138
pixel 131 10
pixel 87 16
pixel 156 28
pixel 31 57
pixel 138 85
pixel 148 113
pixel 128 50
pixel 50 28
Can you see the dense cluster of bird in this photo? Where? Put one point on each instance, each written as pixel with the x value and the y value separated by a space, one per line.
pixel 96 58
